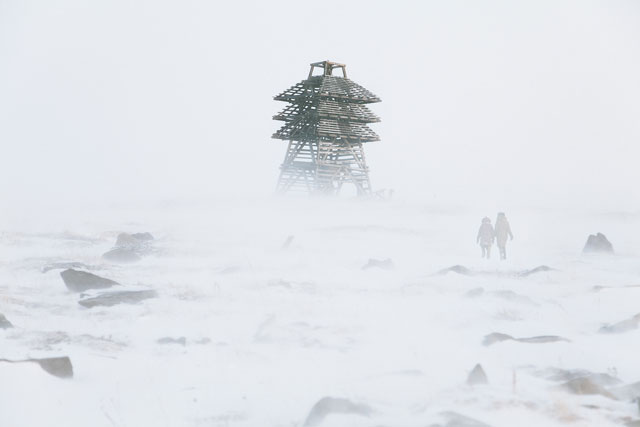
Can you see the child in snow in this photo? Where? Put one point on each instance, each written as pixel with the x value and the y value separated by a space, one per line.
pixel 485 237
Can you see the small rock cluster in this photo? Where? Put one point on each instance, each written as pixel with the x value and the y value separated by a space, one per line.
pixel 128 248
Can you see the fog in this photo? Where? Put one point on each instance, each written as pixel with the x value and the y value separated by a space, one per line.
pixel 137 148
pixel 488 102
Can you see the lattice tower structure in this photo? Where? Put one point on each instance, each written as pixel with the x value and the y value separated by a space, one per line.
pixel 325 123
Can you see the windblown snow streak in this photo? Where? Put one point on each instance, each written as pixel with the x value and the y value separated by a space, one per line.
pixel 359 320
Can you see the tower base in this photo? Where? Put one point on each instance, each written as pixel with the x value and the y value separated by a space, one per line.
pixel 323 167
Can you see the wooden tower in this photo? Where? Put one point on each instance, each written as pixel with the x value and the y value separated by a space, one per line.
pixel 326 126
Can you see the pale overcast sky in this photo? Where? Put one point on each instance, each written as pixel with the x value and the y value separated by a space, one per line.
pixel 488 102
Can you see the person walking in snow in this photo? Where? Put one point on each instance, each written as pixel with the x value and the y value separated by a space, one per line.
pixel 485 237
pixel 503 230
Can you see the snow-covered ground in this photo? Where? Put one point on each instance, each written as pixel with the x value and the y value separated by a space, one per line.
pixel 269 331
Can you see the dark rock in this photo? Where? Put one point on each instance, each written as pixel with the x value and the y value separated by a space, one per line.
pixel 169 340
pixel 539 269
pixel 4 323
pixel 332 405
pixel 622 326
pixel 108 299
pixel 57 366
pixel 60 367
pixel 81 281
pixel 134 241
pixel 129 247
pixel 384 264
pixel 477 376
pixel 498 337
pixel 460 269
pixel 598 244
pixel 126 240
pixel 543 339
pixel 143 237
pixel 495 337
pixel 121 255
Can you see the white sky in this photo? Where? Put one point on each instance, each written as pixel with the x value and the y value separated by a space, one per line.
pixel 484 102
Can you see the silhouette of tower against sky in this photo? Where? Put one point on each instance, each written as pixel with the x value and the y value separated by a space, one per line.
pixel 325 124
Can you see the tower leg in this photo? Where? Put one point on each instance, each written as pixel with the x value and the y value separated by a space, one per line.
pixel 324 167
pixel 297 171
pixel 342 163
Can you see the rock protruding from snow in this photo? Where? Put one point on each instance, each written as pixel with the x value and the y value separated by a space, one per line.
pixel 538 269
pixel 108 299
pixel 496 337
pixel 129 247
pixel 384 264
pixel 454 419
pixel 135 240
pixel 143 237
pixel 460 269
pixel 622 326
pixel 542 339
pixel 586 385
pixel 565 375
pixel 4 323
pixel 477 376
pixel 598 243
pixel 122 255
pixel 81 281
pixel 170 340
pixel 60 367
pixel 333 405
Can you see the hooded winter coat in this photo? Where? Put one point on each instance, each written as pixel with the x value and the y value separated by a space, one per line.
pixel 503 230
pixel 485 233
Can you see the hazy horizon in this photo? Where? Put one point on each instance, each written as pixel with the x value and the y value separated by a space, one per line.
pixel 483 103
